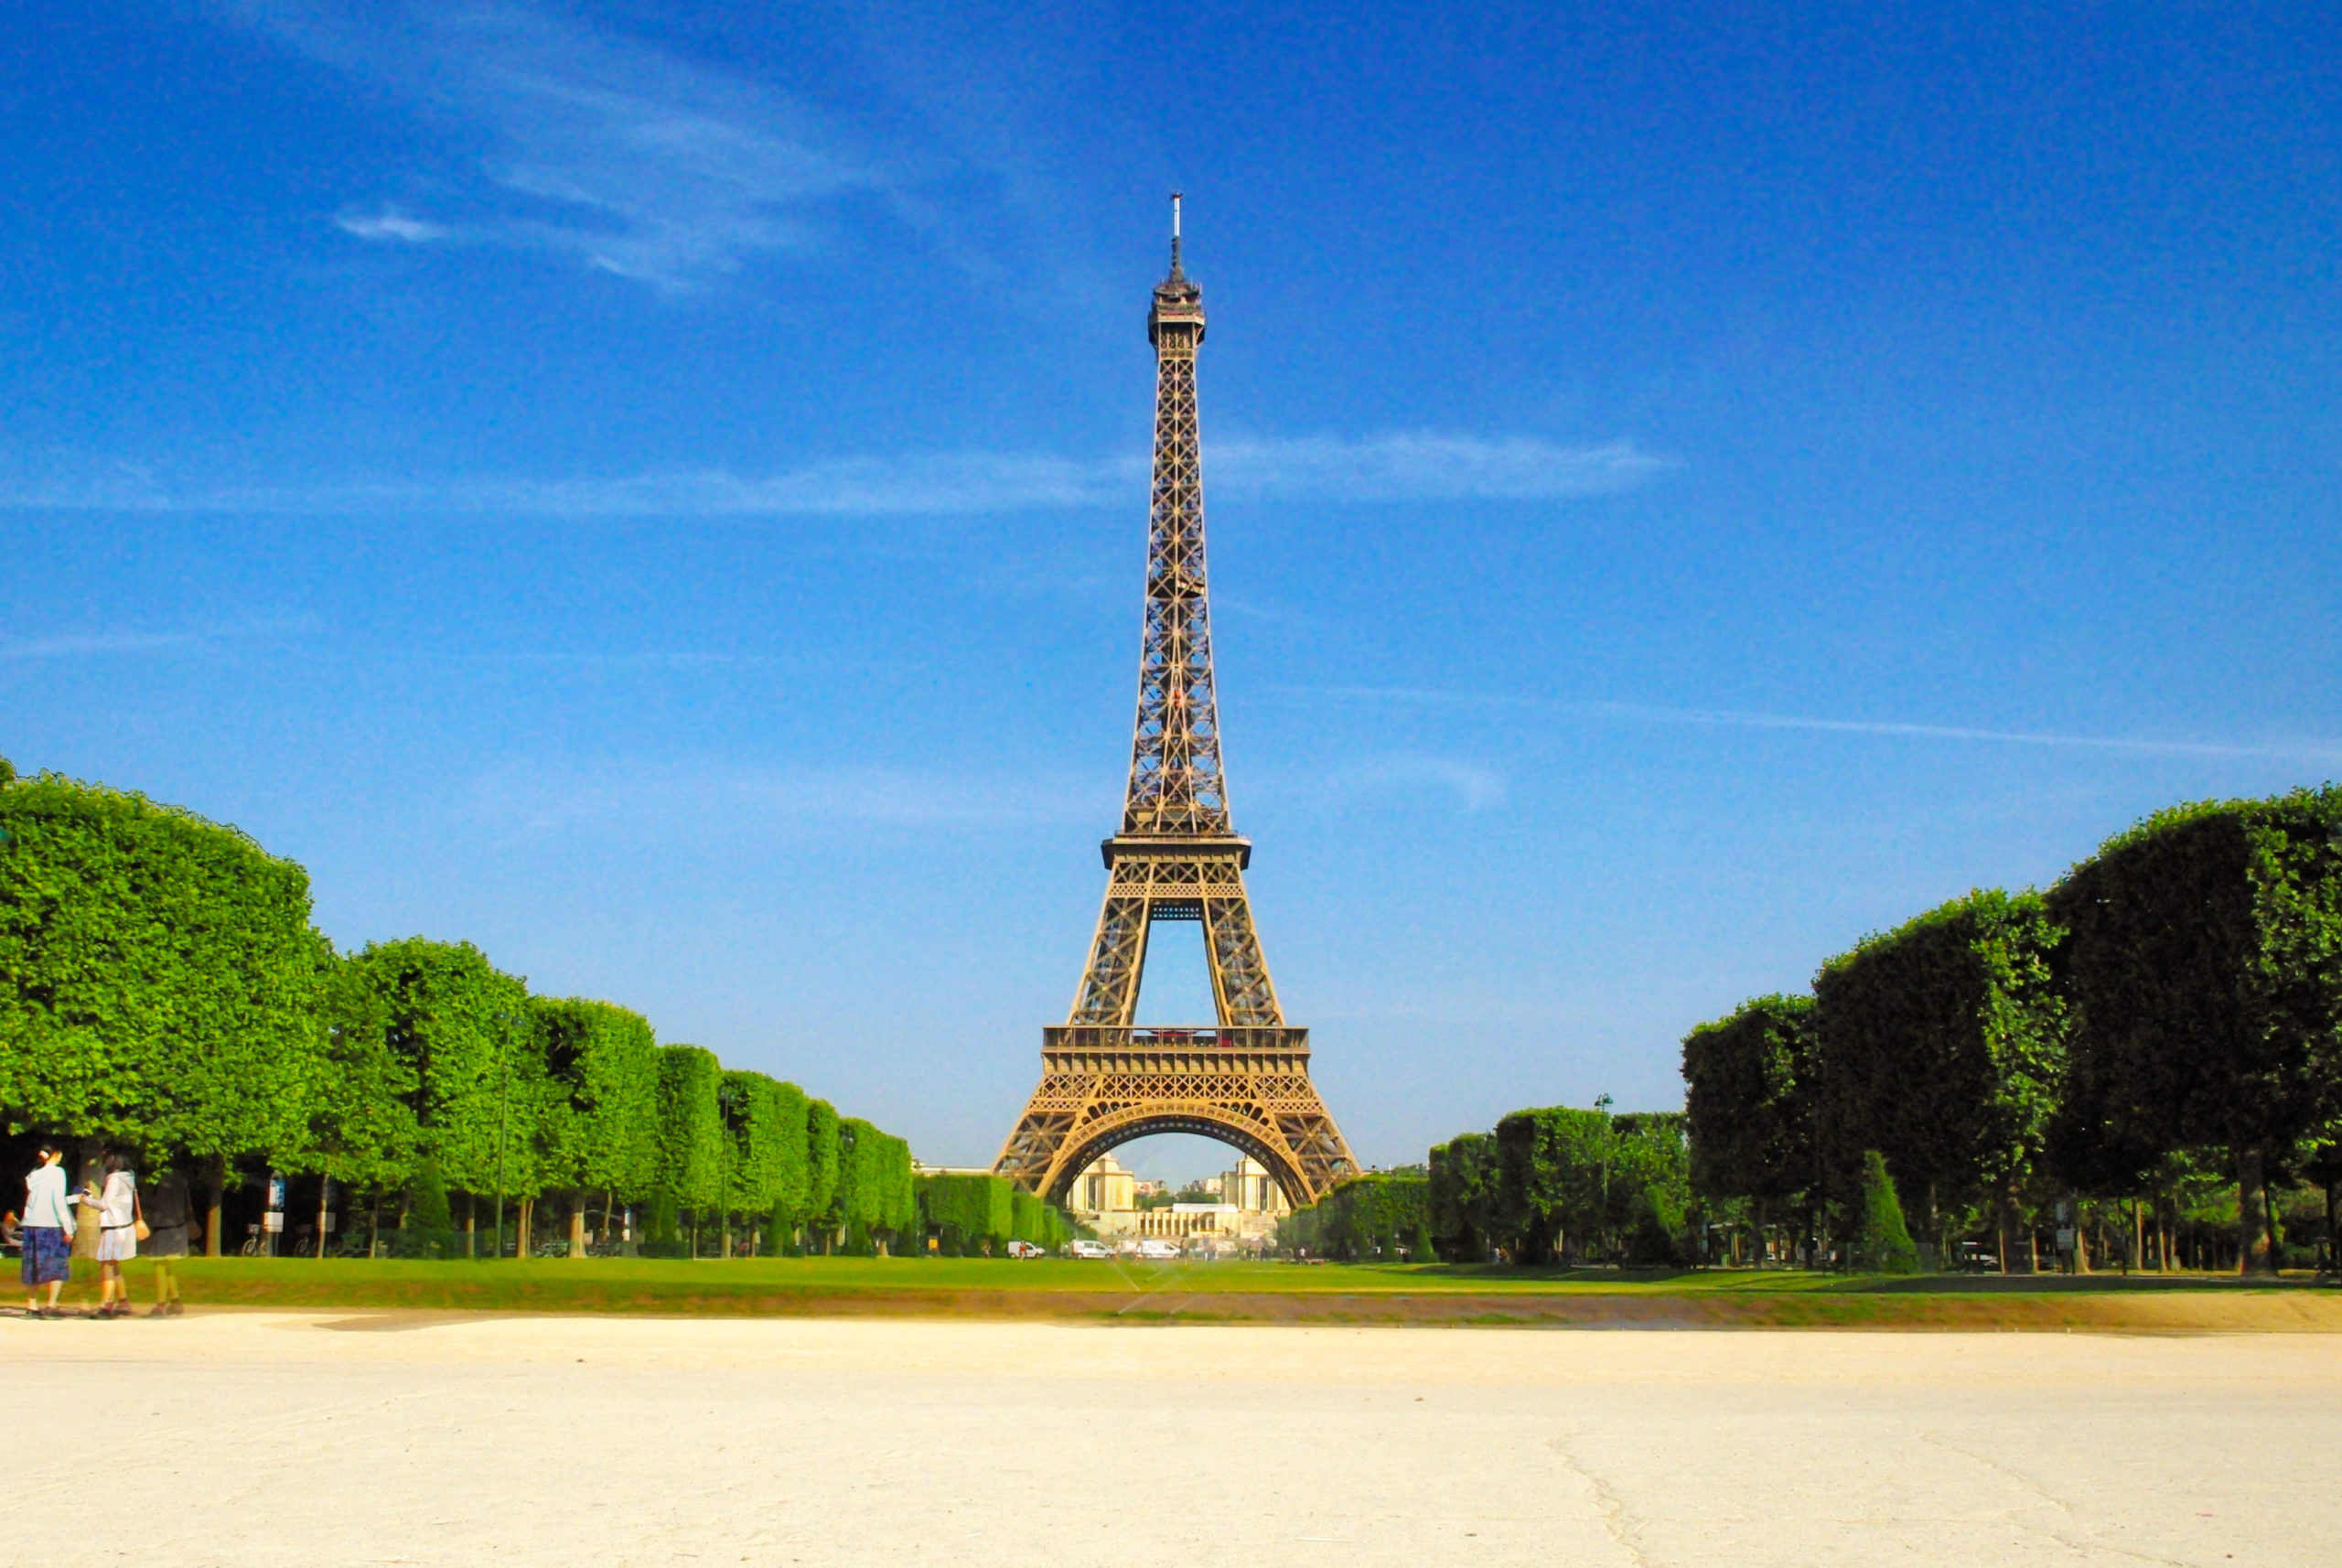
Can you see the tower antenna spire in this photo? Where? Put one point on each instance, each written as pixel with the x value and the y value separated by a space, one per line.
pixel 1175 236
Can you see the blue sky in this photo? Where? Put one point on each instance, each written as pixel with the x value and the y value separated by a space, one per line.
pixel 658 491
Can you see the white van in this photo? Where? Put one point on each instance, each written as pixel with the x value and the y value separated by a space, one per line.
pixel 1155 1248
pixel 1085 1248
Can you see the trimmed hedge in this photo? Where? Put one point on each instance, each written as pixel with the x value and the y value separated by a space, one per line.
pixel 1381 1217
pixel 1942 1043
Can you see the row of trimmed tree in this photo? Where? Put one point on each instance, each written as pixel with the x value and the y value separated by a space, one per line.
pixel 161 987
pixel 1560 1185
pixel 2172 1006
pixel 1554 1185
pixel 968 1213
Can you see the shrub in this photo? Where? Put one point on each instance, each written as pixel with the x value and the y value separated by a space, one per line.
pixel 1881 1244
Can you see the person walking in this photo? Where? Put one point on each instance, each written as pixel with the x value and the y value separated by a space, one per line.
pixel 117 1233
pixel 49 1233
pixel 168 1221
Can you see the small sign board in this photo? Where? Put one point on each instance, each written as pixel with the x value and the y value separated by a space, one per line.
pixel 272 1221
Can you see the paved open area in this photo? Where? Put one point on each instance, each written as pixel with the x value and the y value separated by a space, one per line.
pixel 252 1439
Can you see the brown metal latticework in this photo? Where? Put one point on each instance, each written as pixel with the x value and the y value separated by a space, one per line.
pixel 1177 857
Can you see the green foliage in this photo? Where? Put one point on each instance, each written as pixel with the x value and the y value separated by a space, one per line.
pixel 1463 1197
pixel 874 1194
pixel 662 1225
pixel 1942 1041
pixel 599 1126
pixel 1655 1228
pixel 460 1034
pixel 426 1204
pixel 2204 960
pixel 792 1177
pixel 1036 1220
pixel 1882 1243
pixel 1553 1174
pixel 158 975
pixel 358 1110
pixel 1381 1217
pixel 758 1135
pixel 1748 1097
pixel 820 1163
pixel 692 1141
pixel 964 1211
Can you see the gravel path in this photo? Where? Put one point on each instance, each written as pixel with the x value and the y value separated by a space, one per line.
pixel 252 1439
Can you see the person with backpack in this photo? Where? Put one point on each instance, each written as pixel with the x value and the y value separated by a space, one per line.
pixel 49 1233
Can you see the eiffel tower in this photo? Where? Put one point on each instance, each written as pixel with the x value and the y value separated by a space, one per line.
pixel 1245 1079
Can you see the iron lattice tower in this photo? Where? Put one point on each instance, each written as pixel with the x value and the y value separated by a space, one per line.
pixel 1104 1078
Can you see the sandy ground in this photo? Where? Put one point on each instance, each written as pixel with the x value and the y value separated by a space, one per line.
pixel 255 1439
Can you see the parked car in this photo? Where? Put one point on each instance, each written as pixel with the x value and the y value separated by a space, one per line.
pixel 1086 1248
pixel 1026 1250
pixel 1157 1248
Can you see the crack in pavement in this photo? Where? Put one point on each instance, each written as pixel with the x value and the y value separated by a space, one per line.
pixel 1611 1508
pixel 2063 1538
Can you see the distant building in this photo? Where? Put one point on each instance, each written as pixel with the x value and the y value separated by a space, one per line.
pixel 1105 1196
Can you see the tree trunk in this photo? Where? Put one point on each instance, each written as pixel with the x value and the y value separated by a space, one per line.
pixel 472 1225
pixel 2247 1224
pixel 2333 1243
pixel 2081 1236
pixel 520 1239
pixel 215 1191
pixel 577 1223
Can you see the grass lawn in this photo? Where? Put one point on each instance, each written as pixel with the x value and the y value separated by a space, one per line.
pixel 1247 1292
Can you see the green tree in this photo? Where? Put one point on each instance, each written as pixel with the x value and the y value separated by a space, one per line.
pixel 1381 1215
pixel 874 1199
pixel 1554 1170
pixel 967 1212
pixel 821 1169
pixel 463 1040
pixel 358 1106
pixel 158 978
pixel 1462 1196
pixel 2204 960
pixel 692 1139
pixel 599 1126
pixel 766 1122
pixel 1882 1243
pixel 1748 1096
pixel 1943 1042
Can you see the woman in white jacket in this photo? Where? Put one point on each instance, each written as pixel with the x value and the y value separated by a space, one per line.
pixel 117 1234
pixel 49 1233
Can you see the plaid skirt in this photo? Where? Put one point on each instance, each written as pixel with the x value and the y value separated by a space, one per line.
pixel 48 1255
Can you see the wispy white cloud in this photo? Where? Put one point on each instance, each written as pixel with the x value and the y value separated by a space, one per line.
pixel 392 224
pixel 1425 466
pixel 597 145
pixel 543 800
pixel 73 645
pixel 1395 467
pixel 131 639
pixel 1471 786
pixel 1732 718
